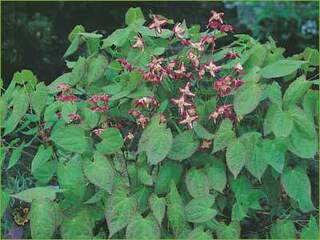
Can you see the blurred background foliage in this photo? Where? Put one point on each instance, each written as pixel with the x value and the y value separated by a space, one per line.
pixel 34 34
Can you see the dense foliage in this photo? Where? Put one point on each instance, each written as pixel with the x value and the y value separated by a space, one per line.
pixel 156 133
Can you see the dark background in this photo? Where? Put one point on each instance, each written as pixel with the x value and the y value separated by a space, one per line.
pixel 34 34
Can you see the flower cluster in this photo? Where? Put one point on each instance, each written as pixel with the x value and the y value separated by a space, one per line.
pixel 226 111
pixel 186 108
pixel 140 118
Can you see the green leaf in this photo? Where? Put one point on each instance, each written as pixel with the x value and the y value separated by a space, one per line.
pixel 274 153
pixel 273 92
pixel 156 141
pixel 41 168
pixel 3 111
pixel 197 183
pixel 145 177
pixel 183 146
pixel 20 107
pixel 158 207
pixel 142 228
pixel 223 136
pixel 175 211
pixel 283 229
pixel 267 124
pixel 39 98
pixel 117 38
pixel 99 172
pixel 216 173
pixel 133 14
pixel 257 57
pixel 112 141
pixel 38 193
pixel 75 31
pixel 255 163
pixel 96 68
pixel 79 71
pixel 231 231
pixel 311 231
pixel 169 171
pixel 201 131
pixel 43 219
pixel 67 108
pixel 25 77
pixel 119 211
pixel 247 98
pixel 5 199
pixel 71 138
pixel 15 156
pixel 297 185
pixel 303 140
pixel 199 233
pixel 71 178
pixel 281 123
pixel 73 47
pixel 199 210
pixel 90 117
pixel 236 157
pixel 281 68
pixel 78 226
pixel 295 91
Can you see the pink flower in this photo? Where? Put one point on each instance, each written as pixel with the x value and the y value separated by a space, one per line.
pixel 68 98
pixel 238 68
pixel 74 116
pixel 147 102
pixel 97 98
pixel 134 113
pixel 188 119
pixel 181 103
pixel 185 42
pixel 186 90
pixel 216 20
pixel 99 108
pixel 201 71
pixel 129 137
pixel 157 23
pixel 212 68
pixel 178 30
pixel 193 58
pixel 226 111
pixel 125 64
pixel 98 131
pixel 223 86
pixel 198 45
pixel 139 43
pixel 63 87
pixel 232 55
pixel 226 28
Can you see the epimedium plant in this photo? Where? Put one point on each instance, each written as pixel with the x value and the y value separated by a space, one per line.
pixel 156 131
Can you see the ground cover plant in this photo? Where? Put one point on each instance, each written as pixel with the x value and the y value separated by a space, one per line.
pixel 157 131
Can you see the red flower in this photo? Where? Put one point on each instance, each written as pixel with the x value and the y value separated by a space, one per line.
pixel 223 86
pixel 198 45
pixel 157 23
pixel 201 71
pixel 185 42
